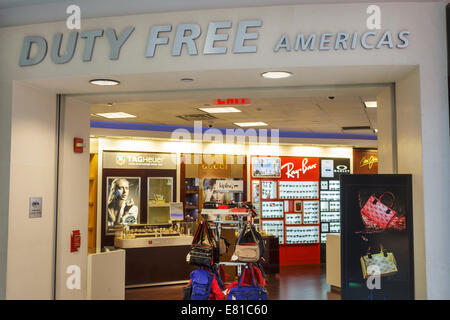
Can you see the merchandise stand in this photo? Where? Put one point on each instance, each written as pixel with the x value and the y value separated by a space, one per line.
pixel 220 224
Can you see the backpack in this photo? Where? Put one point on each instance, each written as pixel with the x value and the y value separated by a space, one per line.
pixel 201 280
pixel 243 291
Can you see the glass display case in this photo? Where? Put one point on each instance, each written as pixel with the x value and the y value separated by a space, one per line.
pixel 160 192
pixel 155 235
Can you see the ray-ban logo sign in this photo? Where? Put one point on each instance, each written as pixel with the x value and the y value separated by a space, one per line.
pixel 220 37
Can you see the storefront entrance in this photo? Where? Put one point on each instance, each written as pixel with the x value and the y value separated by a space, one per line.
pixel 51 111
pixel 290 175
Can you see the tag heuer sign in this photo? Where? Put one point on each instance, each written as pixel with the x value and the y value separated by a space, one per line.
pixel 120 160
pixel 131 160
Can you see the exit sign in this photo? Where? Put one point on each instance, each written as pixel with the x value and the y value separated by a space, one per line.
pixel 232 102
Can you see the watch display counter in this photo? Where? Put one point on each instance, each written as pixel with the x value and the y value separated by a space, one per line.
pixel 156 254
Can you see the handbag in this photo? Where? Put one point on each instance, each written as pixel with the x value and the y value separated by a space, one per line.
pixel 384 262
pixel 379 214
pixel 250 251
pixel 241 291
pixel 203 254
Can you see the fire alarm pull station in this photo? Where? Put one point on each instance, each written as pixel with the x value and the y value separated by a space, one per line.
pixel 75 241
pixel 78 145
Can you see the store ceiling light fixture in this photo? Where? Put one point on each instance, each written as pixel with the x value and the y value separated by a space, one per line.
pixel 220 110
pixel 115 115
pixel 104 82
pixel 250 124
pixel 370 104
pixel 276 74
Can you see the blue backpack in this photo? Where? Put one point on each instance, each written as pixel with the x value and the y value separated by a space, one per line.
pixel 246 292
pixel 201 280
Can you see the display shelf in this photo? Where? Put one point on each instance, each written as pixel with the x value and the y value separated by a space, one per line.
pixel 190 198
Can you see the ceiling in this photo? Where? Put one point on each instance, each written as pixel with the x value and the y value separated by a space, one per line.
pixel 285 109
pixel 299 103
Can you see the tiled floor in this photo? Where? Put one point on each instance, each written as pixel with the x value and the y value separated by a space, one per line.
pixel 292 283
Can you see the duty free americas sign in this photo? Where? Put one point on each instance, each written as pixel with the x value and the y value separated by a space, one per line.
pixel 35 48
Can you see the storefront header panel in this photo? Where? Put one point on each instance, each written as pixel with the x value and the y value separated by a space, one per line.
pixel 129 160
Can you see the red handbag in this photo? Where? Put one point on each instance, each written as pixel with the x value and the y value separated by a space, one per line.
pixel 378 212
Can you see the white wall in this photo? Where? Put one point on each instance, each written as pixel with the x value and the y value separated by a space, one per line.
pixel 5 142
pixel 73 198
pixel 425 153
pixel 30 263
pixel 33 148
pixel 411 161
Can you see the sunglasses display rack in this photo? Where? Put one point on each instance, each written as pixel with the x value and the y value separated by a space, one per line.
pixel 310 212
pixel 290 206
pixel 299 189
pixel 293 218
pixel 302 235
pixel 334 185
pixel 330 207
pixel 329 216
pixel 330 195
pixel 274 227
pixel 272 210
pixel 296 204
pixel 335 227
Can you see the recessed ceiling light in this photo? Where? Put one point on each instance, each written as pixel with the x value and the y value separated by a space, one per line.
pixel 115 115
pixel 276 74
pixel 370 104
pixel 220 110
pixel 250 124
pixel 104 82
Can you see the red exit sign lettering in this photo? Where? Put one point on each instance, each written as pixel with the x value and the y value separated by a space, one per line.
pixel 232 102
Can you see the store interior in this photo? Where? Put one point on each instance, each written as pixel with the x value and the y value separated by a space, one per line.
pixel 148 139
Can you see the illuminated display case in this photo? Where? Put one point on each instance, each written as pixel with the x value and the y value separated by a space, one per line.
pixel 154 235
pixel 160 190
